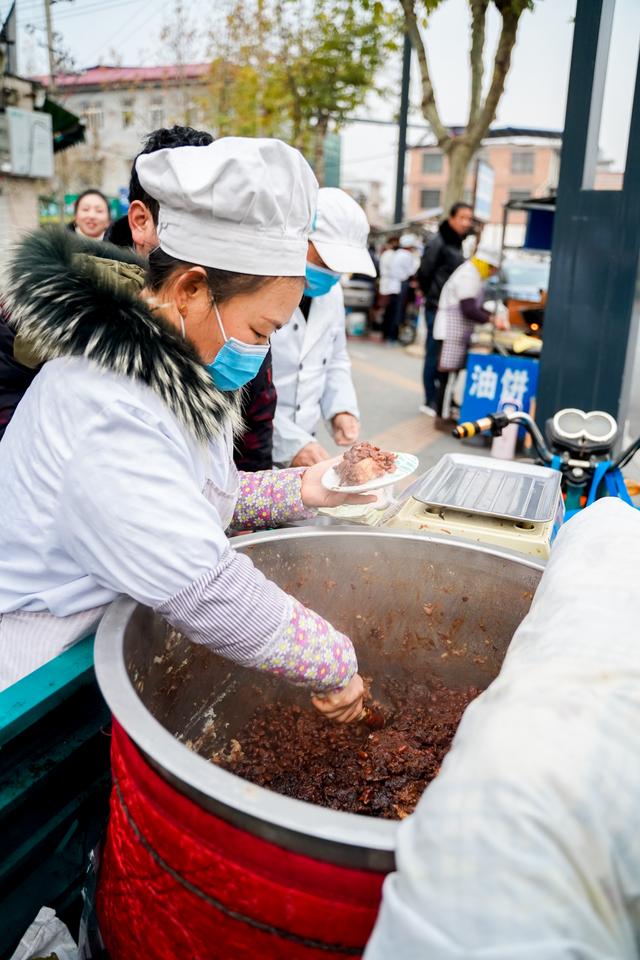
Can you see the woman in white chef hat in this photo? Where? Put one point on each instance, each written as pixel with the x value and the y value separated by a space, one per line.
pixel 117 469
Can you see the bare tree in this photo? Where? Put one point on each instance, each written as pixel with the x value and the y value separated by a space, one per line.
pixel 460 149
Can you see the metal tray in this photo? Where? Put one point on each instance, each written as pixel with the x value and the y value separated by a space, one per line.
pixel 493 488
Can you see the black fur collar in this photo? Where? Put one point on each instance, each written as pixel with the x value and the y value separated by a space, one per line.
pixel 69 305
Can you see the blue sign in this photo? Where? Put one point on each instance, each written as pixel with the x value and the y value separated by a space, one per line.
pixel 495 383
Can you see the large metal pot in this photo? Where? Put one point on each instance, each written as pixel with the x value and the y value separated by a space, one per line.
pixel 412 604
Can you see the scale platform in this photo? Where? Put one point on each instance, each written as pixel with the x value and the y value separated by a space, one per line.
pixel 516 506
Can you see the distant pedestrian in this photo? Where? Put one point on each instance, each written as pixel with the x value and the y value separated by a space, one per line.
pixel 442 256
pixel 459 311
pixel 402 266
pixel 385 285
pixel 91 215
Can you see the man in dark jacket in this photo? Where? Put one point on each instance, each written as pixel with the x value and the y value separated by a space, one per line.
pixel 442 256
pixel 138 230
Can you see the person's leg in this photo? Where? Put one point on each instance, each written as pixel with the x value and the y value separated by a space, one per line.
pixel 389 316
pixel 430 377
pixel 443 380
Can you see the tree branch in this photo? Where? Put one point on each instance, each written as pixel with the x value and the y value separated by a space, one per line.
pixel 478 128
pixel 429 107
pixel 478 21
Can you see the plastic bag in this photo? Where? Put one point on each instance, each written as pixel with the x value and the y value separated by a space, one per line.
pixel 47 937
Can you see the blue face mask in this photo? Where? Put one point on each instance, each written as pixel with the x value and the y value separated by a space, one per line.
pixel 319 281
pixel 236 363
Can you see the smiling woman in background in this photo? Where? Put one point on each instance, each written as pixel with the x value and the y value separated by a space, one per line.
pixel 91 214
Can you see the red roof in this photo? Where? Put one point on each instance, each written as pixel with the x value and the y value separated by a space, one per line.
pixel 128 76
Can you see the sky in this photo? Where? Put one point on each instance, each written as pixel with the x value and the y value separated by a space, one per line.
pixel 535 96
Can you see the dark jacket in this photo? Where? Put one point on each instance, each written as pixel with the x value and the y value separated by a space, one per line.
pixel 14 377
pixel 254 448
pixel 442 256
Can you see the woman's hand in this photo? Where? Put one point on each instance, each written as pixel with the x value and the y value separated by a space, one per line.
pixel 315 495
pixel 346 429
pixel 344 705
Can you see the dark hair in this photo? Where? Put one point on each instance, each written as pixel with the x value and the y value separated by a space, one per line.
pixel 223 284
pixel 165 138
pixel 89 193
pixel 459 206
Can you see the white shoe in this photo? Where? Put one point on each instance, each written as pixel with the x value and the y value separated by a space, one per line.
pixel 430 412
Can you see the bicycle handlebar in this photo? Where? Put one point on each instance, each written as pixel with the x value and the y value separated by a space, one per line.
pixel 495 423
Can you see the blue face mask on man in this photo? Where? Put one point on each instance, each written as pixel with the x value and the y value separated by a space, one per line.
pixel 236 363
pixel 319 280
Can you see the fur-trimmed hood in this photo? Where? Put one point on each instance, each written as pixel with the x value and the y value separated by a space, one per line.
pixel 69 296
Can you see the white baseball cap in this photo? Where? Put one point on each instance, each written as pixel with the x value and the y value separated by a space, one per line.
pixel 488 255
pixel 340 233
pixel 241 204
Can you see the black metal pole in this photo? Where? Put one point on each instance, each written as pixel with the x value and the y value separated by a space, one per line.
pixel 402 128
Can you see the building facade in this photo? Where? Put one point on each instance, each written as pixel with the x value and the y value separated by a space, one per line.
pixel 524 163
pixel 120 106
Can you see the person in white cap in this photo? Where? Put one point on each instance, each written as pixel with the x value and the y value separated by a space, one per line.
pixel 117 469
pixel 459 310
pixel 311 366
pixel 403 265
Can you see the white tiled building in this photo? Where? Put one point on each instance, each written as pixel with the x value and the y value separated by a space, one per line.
pixel 120 105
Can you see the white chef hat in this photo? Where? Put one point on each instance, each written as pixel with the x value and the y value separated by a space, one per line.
pixel 242 204
pixel 340 233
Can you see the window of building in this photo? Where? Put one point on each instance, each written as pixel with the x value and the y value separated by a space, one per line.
pixel 127 113
pixel 93 114
pixel 522 161
pixel 432 163
pixel 156 114
pixel 429 199
pixel 519 194
pixel 467 196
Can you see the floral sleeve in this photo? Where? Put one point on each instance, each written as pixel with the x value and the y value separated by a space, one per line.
pixel 309 652
pixel 269 498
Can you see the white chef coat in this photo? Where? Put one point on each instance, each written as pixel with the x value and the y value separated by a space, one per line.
pixel 81 521
pixel 388 284
pixel 311 373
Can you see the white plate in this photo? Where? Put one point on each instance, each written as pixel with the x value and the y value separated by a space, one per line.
pixel 406 464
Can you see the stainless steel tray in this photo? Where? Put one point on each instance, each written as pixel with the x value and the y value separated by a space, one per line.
pixel 494 488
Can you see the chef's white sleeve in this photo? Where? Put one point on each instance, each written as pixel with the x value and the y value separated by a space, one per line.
pixel 288 439
pixel 131 515
pixel 527 845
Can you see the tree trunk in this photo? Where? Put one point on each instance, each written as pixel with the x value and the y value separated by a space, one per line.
pixel 460 155
pixel 318 149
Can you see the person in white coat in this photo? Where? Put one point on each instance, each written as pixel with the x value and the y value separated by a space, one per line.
pixel 126 433
pixel 311 366
pixel 527 845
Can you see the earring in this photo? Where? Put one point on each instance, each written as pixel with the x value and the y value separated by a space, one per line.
pixel 184 336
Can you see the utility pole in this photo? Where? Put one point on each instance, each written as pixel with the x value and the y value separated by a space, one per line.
pixel 51 92
pixel 402 128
